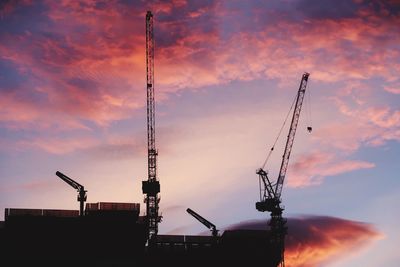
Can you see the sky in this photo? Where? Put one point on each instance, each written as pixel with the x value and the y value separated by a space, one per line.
pixel 73 99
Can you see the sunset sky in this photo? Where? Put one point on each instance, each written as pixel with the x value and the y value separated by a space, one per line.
pixel 73 99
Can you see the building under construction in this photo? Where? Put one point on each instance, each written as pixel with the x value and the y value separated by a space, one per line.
pixel 114 234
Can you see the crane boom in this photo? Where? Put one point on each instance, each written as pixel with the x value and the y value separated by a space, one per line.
pixel 292 132
pixel 204 221
pixel 69 181
pixel 151 187
pixel 80 188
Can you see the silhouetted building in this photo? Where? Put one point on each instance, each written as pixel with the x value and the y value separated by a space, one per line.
pixel 108 232
pixel 113 234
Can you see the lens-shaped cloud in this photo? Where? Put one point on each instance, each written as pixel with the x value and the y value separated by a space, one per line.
pixel 317 240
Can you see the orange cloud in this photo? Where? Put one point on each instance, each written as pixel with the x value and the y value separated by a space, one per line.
pixel 318 240
pixel 315 241
pixel 91 76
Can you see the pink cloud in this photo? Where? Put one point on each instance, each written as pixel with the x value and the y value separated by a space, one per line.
pixel 382 117
pixel 393 90
pixel 344 137
pixel 110 57
pixel 83 76
pixel 96 74
pixel 19 114
pixel 312 168
pixel 37 185
pixel 59 146
pixel 362 124
pixel 7 7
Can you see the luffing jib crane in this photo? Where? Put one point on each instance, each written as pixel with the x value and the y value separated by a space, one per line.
pixel 81 190
pixel 209 225
pixel 270 199
pixel 151 187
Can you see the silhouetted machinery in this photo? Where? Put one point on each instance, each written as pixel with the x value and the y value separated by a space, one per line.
pixel 209 225
pixel 81 190
pixel 270 194
pixel 151 187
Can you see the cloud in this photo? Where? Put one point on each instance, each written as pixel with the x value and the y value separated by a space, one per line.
pixel 59 146
pixel 318 240
pixel 117 150
pixel 393 89
pixel 383 117
pixel 326 9
pixel 311 169
pixel 85 61
pixel 364 125
pixel 22 113
pixel 36 185
pixel 80 65
pixel 85 74
pixel 7 7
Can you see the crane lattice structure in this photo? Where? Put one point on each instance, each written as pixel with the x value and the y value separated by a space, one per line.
pixel 151 187
pixel 270 195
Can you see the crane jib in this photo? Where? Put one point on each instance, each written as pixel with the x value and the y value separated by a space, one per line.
pixel 291 135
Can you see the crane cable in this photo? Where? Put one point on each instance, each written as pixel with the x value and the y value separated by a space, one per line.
pixel 279 134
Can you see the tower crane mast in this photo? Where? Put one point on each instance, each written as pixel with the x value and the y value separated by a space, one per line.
pixel 270 199
pixel 151 187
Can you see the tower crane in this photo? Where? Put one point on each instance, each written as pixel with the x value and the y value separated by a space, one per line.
pixel 270 199
pixel 209 225
pixel 81 190
pixel 151 187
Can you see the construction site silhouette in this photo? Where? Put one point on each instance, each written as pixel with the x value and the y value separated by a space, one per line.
pixel 115 234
